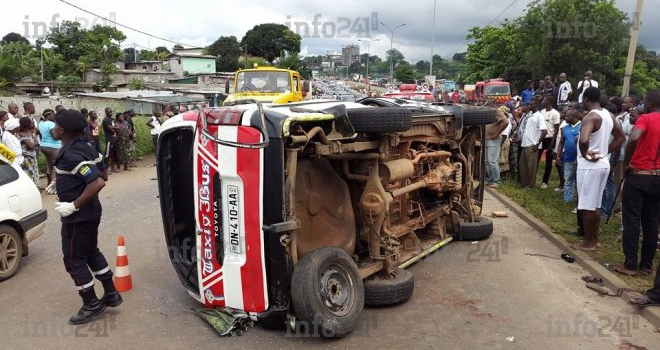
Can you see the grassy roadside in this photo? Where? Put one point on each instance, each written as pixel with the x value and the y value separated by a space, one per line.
pixel 549 207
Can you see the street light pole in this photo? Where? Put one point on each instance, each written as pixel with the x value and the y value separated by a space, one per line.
pixel 433 38
pixel 391 47
pixel 637 20
pixel 368 52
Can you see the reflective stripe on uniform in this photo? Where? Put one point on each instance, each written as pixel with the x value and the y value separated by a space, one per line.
pixel 80 165
pixel 86 285
pixel 96 273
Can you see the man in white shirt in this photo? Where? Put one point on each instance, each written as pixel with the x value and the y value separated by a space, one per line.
pixel 552 120
pixel 154 123
pixel 593 165
pixel 585 84
pixel 535 131
pixel 565 90
pixel 12 110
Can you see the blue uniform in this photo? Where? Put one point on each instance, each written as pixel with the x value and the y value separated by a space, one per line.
pixel 77 165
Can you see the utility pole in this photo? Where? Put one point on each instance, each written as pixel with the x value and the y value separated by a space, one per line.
pixel 391 47
pixel 368 52
pixel 435 2
pixel 42 61
pixel 632 48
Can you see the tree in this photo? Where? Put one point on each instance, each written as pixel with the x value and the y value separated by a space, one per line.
pixel 147 55
pixel 15 63
pixel 227 50
pixel 395 55
pixel 291 61
pixel 82 49
pixel 12 38
pixel 357 67
pixel 177 47
pixel 130 55
pixel 405 73
pixel 422 66
pixel 68 84
pixel 161 53
pixel 271 40
pixel 162 49
pixel 532 46
pixel 136 84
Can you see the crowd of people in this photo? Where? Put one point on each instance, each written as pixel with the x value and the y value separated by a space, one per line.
pixel 606 152
pixel 29 134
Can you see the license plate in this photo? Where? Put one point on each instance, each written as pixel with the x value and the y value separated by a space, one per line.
pixel 233 205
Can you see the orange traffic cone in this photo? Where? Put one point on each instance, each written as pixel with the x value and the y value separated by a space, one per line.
pixel 122 279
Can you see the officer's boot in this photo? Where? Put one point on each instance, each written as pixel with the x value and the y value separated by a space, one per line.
pixel 92 307
pixel 111 297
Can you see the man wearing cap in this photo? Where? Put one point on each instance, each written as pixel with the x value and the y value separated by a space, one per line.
pixel 81 174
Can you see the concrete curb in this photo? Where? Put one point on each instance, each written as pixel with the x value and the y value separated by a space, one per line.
pixel 611 280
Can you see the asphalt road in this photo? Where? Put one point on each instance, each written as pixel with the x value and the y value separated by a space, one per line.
pixel 512 294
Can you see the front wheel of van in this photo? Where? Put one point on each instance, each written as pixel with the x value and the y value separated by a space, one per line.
pixel 327 292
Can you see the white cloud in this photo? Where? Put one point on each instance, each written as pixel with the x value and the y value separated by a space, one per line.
pixel 199 23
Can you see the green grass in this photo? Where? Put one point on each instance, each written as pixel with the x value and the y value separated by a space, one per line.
pixel 549 207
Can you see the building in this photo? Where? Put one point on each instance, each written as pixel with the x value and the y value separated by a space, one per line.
pixel 124 76
pixel 145 66
pixel 184 62
pixel 350 54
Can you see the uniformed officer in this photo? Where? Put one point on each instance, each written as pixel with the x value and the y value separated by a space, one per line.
pixel 81 174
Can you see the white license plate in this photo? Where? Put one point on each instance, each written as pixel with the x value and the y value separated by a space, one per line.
pixel 233 210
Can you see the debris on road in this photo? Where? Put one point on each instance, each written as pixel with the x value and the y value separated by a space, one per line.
pixel 598 288
pixel 499 214
pixel 225 322
pixel 568 258
pixel 511 339
pixel 592 279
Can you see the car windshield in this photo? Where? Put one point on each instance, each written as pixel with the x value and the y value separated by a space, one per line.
pixel 263 82
pixel 496 90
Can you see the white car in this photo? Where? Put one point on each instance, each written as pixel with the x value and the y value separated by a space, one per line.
pixel 22 217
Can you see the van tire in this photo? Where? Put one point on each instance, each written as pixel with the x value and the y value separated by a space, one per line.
pixel 383 291
pixel 380 120
pixel 480 229
pixel 327 292
pixel 478 116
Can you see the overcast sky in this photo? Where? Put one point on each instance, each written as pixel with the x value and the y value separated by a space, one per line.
pixel 200 22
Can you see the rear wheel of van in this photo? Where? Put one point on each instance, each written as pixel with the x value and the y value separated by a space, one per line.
pixel 481 228
pixel 11 251
pixel 327 292
pixel 387 290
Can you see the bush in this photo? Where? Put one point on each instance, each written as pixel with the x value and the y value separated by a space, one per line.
pixel 144 144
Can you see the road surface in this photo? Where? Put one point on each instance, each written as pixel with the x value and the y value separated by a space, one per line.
pixel 512 294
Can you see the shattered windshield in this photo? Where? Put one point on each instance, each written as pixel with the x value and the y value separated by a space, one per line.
pixel 277 82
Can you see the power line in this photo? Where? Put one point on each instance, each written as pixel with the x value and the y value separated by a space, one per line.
pixel 489 23
pixel 125 26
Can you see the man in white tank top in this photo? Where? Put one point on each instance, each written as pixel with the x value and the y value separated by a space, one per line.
pixel 593 164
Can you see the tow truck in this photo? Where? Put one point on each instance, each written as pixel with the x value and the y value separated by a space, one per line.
pixel 497 90
pixel 410 92
pixel 266 84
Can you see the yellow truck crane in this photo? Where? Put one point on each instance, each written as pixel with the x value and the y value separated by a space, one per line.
pixel 266 84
